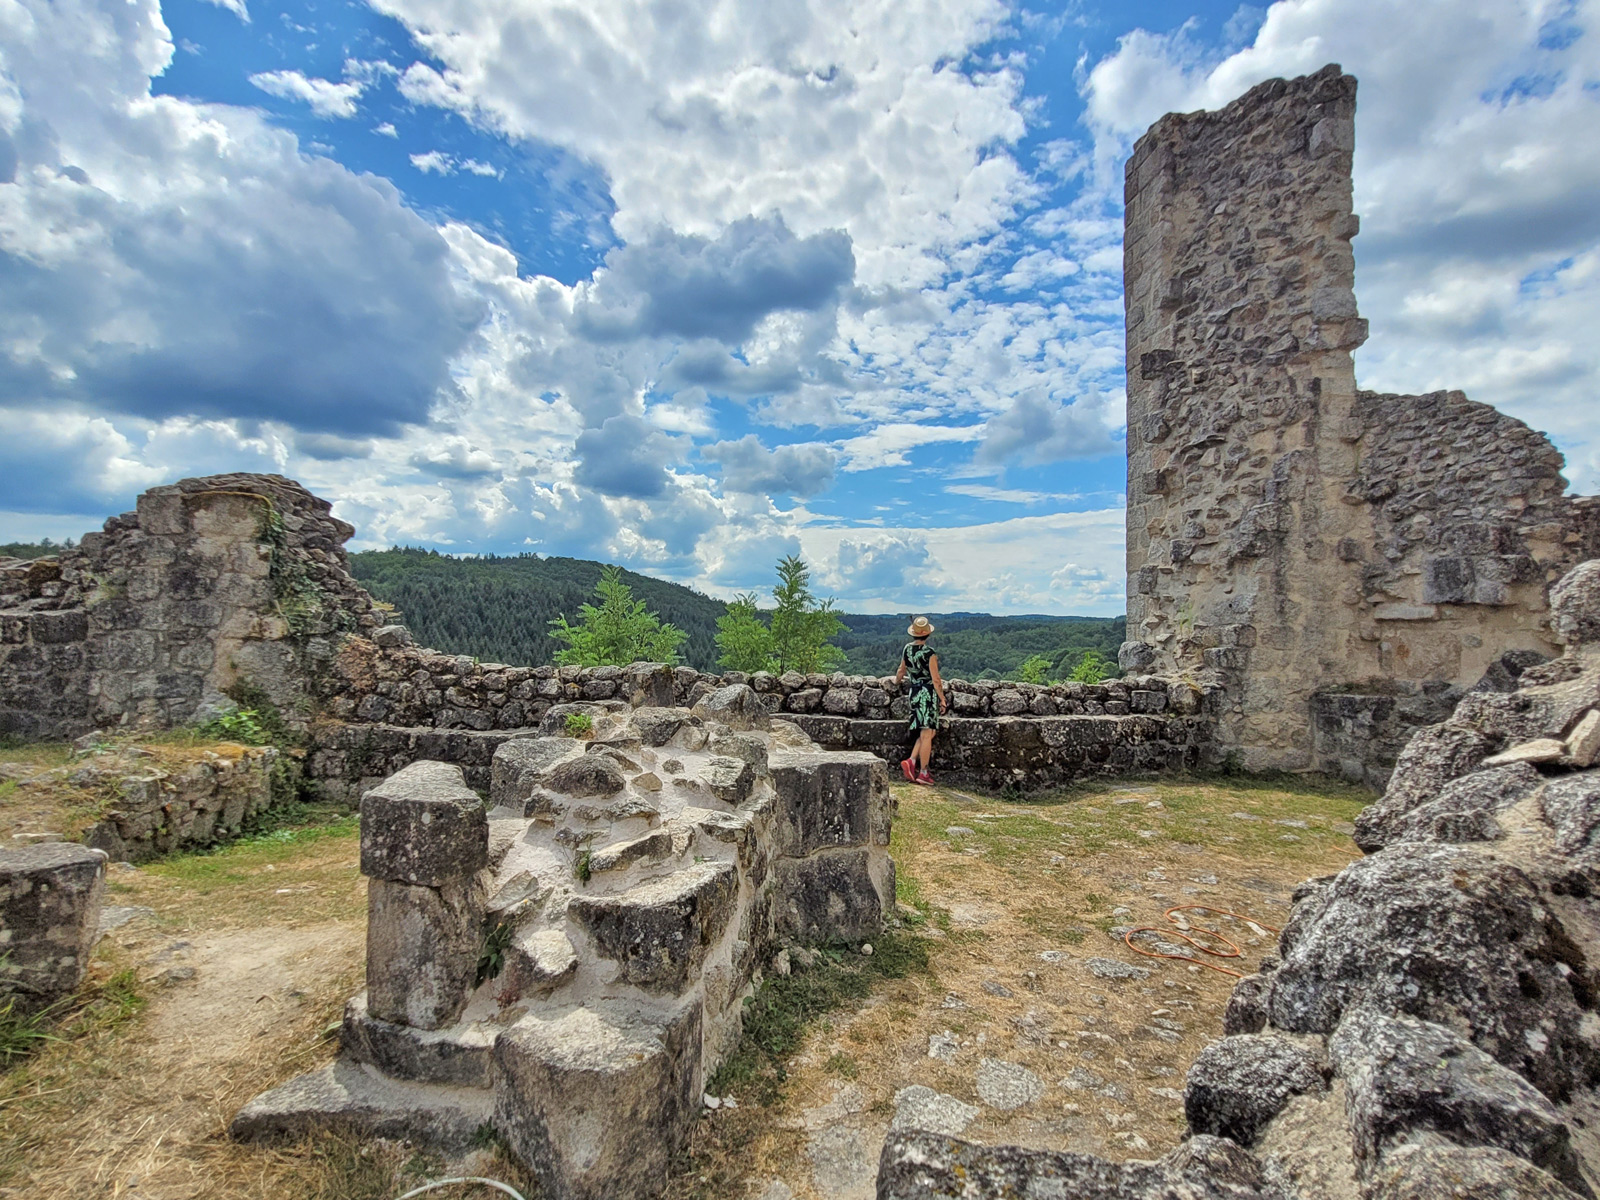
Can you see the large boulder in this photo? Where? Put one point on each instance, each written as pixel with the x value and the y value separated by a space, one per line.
pixel 1448 934
pixel 737 706
pixel 1463 811
pixel 1403 1076
pixel 918 1165
pixel 1239 1084
pixel 1436 1172
pixel 1575 607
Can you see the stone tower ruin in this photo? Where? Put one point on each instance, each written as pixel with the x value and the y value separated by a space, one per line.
pixel 1336 564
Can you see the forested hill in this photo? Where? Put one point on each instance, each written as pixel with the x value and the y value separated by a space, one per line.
pixel 500 609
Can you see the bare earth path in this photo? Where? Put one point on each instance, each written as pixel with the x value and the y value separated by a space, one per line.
pixel 1035 1026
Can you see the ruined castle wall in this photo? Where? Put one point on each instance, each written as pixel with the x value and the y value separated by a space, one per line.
pixel 1290 536
pixel 211 583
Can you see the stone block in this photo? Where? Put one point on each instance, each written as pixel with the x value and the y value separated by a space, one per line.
pixel 538 961
pixel 61 626
pixel 50 897
pixel 736 706
pixel 730 779
pixel 598 1100
pixel 1583 743
pixel 660 931
pixel 648 685
pixel 424 826
pixel 459 1056
pixel 349 1097
pixel 838 799
pixel 422 950
pixel 521 767
pixel 833 895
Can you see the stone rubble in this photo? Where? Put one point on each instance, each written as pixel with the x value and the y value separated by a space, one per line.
pixel 576 955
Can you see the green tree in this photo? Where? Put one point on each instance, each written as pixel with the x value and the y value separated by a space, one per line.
pixel 1033 669
pixel 801 627
pixel 617 632
pixel 744 643
pixel 1092 668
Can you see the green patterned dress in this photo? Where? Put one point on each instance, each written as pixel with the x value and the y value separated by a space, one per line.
pixel 918 657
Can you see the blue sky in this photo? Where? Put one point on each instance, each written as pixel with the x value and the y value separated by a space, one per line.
pixel 689 287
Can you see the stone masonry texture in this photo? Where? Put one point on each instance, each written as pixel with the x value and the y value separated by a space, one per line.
pixel 1289 535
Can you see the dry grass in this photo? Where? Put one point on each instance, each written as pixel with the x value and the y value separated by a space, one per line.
pixel 136 1105
pixel 1001 884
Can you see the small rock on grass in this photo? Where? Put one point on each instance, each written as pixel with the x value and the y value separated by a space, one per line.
pixel 919 1107
pixel 1006 1085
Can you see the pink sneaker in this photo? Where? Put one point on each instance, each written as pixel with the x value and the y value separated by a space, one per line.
pixel 910 771
pixel 924 778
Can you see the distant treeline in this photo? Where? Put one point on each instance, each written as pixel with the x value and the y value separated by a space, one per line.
pixel 979 646
pixel 40 549
pixel 499 609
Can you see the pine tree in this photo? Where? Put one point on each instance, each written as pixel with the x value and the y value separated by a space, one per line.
pixel 617 632
pixel 801 627
pixel 744 643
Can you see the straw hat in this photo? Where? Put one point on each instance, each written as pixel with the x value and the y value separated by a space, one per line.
pixel 920 628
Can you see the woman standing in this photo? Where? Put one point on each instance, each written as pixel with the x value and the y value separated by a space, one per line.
pixel 921 665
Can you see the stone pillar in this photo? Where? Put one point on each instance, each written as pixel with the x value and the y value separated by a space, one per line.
pixel 49 915
pixel 1241 319
pixel 424 840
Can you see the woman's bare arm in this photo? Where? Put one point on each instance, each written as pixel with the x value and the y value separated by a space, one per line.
pixel 938 684
pixel 900 675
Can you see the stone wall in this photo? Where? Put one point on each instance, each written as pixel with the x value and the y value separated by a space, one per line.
pixel 210 583
pixel 402 704
pixel 158 811
pixel 572 964
pixel 1289 534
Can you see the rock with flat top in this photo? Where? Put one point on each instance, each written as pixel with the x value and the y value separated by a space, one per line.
pixel 352 1098
pixel 50 895
pixel 423 826
pixel 1540 750
pixel 595 1098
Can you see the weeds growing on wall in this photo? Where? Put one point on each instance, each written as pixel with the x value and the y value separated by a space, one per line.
pixel 784 1007
pixel 301 602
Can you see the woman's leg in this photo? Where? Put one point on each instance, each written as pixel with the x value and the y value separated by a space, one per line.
pixel 924 751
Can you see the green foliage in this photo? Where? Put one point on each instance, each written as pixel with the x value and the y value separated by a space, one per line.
pixel 618 631
pixel 1034 668
pixel 492 958
pixel 500 608
pixel 581 866
pixel 744 642
pixel 802 627
pixel 102 1004
pixel 237 725
pixel 1092 668
pixel 43 548
pixel 578 725
pixel 777 1016
pixel 301 603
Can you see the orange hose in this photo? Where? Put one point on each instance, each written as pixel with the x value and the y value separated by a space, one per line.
pixel 1232 952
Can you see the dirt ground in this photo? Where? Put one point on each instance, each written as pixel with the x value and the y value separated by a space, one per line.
pixel 1026 1023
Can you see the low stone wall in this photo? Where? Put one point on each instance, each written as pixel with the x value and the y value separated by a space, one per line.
pixel 159 811
pixel 1029 752
pixel 570 964
pixel 384 679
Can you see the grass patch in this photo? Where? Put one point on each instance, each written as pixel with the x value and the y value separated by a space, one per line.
pixel 104 1004
pixel 786 1006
